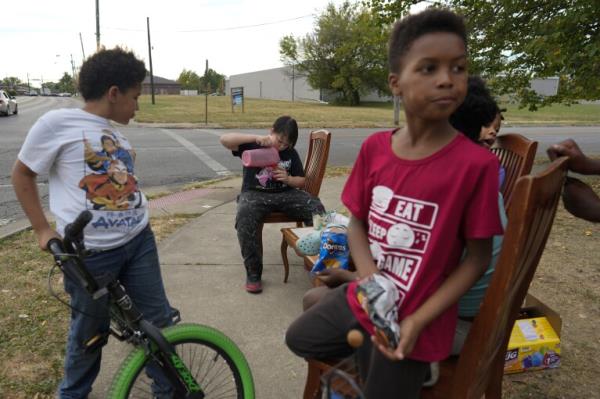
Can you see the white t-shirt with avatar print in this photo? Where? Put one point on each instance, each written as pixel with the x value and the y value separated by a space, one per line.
pixel 90 166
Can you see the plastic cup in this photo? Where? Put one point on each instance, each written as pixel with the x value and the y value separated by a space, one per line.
pixel 260 157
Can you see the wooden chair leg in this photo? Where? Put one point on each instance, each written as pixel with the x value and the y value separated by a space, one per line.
pixel 494 388
pixel 284 258
pixel 312 388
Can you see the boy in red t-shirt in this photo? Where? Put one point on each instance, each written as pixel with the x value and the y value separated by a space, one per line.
pixel 418 195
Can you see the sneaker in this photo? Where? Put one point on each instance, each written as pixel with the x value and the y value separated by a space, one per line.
pixel 254 287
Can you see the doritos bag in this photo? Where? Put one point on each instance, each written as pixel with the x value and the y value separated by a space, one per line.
pixel 334 251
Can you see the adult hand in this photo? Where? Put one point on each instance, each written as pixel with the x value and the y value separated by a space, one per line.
pixel 335 277
pixel 409 332
pixel 264 141
pixel 578 162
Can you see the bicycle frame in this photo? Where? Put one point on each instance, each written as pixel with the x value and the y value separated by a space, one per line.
pixel 68 256
pixel 347 387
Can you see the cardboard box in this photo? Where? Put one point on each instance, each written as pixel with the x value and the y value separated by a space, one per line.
pixel 535 340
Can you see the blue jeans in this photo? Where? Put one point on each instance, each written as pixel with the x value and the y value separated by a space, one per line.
pixel 136 266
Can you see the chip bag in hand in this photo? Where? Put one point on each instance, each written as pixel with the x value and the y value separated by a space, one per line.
pixel 379 297
pixel 334 251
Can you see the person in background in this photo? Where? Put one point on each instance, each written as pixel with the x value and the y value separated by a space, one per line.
pixel 271 188
pixel 579 198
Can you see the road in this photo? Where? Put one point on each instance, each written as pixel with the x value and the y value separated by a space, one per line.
pixel 174 157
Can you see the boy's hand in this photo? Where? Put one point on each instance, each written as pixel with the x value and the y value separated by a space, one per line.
pixel 44 236
pixel 335 277
pixel 409 332
pixel 281 175
pixel 264 141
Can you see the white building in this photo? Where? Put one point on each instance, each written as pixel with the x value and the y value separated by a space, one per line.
pixel 283 84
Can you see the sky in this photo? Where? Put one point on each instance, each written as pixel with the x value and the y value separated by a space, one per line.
pixel 39 38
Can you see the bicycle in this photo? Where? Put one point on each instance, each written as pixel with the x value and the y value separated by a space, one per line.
pixel 342 380
pixel 197 361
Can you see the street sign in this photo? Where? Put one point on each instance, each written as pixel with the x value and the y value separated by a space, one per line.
pixel 237 97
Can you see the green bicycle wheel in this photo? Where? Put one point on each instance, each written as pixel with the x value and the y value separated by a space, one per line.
pixel 214 360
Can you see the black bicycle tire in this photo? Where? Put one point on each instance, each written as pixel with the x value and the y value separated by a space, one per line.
pixel 134 364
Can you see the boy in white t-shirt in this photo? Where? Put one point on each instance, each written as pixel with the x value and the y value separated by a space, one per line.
pixel 71 145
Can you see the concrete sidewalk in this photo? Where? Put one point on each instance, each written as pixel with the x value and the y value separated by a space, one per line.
pixel 204 277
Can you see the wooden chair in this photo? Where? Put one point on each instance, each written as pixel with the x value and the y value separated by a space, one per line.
pixel 479 369
pixel 516 154
pixel 314 170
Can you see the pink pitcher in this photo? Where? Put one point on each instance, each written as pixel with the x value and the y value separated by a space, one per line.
pixel 260 157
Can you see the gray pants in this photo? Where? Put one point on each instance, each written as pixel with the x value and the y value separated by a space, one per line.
pixel 320 333
pixel 254 206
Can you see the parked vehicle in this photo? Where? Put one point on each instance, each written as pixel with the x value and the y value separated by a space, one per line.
pixel 8 104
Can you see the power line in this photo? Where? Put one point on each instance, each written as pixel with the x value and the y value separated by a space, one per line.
pixel 221 29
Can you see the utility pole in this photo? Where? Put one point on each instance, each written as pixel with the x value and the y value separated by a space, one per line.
pixel 206 94
pixel 293 79
pixel 150 60
pixel 81 41
pixel 73 67
pixel 28 87
pixel 97 26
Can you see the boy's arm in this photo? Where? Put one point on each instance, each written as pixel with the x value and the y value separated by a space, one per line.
pixel 581 200
pixel 232 141
pixel 359 248
pixel 479 254
pixel 24 184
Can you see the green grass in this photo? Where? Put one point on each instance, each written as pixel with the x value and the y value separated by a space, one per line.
pixel 578 114
pixel 261 113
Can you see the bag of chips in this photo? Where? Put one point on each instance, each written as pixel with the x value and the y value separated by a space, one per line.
pixel 334 251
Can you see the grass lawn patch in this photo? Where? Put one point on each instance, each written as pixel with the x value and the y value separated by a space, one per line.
pixel 260 113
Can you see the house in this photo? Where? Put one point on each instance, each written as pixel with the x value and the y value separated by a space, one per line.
pixel 161 86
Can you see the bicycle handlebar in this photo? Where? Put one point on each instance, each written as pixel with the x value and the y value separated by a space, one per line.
pixel 69 253
pixel 74 229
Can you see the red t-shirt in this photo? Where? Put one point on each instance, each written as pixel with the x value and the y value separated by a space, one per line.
pixel 419 214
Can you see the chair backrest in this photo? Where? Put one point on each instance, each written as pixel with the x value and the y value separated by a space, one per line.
pixel 516 154
pixel 316 160
pixel 529 222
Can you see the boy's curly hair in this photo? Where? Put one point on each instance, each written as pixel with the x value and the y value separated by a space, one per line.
pixel 479 109
pixel 287 126
pixel 410 28
pixel 106 68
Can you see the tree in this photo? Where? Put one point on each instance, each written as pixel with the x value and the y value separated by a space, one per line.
pixel 65 84
pixel 49 88
pixel 213 79
pixel 345 54
pixel 189 80
pixel 11 82
pixel 511 42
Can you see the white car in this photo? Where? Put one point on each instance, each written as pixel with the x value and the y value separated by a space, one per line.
pixel 8 104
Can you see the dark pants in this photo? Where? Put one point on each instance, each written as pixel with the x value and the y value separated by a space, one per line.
pixel 254 206
pixel 320 333
pixel 136 266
